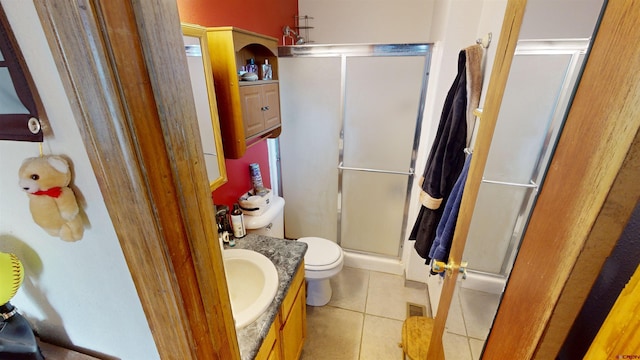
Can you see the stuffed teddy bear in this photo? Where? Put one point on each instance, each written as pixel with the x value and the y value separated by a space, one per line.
pixel 52 203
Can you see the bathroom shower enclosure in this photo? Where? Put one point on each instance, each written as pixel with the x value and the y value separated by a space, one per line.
pixel 351 119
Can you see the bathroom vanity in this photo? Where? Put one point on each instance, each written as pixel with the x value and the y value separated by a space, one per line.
pixel 278 333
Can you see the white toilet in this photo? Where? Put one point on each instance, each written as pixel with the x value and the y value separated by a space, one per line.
pixel 323 260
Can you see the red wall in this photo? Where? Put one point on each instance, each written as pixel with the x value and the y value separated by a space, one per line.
pixel 264 17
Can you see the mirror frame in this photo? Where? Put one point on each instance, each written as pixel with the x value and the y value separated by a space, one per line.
pixel 200 32
pixel 18 126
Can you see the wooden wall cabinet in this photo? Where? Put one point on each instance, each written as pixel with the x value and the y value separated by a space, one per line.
pixel 249 110
pixel 289 330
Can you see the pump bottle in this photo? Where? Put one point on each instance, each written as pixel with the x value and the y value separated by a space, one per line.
pixel 237 222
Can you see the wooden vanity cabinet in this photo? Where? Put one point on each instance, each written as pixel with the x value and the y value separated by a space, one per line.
pixel 293 317
pixel 270 349
pixel 249 110
pixel 289 330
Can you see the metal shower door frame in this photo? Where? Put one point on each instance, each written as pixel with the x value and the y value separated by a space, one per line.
pixel 370 50
pixel 576 48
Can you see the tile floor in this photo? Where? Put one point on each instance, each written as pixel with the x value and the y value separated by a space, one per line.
pixel 363 320
pixel 470 318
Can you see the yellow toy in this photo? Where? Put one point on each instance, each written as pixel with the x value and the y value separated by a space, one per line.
pixel 52 203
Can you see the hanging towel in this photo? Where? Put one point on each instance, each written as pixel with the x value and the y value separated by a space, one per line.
pixel 447 226
pixel 446 158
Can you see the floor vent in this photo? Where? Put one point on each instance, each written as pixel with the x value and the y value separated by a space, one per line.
pixel 416 310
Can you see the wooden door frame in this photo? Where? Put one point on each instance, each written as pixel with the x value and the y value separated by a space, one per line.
pixel 124 69
pixel 594 170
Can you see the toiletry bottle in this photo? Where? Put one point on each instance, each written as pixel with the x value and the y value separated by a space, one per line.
pixel 267 73
pixel 237 222
pixel 251 66
pixel 256 179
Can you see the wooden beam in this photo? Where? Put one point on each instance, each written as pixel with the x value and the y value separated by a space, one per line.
pixel 162 43
pixel 115 60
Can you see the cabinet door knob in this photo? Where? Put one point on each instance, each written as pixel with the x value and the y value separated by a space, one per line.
pixel 264 108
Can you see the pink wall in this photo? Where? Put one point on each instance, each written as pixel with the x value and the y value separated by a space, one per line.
pixel 265 17
pixel 238 174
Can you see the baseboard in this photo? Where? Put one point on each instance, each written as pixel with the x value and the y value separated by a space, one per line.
pixel 489 283
pixel 373 263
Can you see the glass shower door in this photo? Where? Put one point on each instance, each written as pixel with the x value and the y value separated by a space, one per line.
pixel 350 117
pixel 310 108
pixel 537 96
pixel 381 106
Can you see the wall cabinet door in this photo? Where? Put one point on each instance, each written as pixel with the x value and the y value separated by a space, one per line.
pixel 251 100
pixel 271 97
pixel 260 108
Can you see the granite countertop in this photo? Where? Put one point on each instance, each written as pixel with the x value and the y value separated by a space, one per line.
pixel 286 255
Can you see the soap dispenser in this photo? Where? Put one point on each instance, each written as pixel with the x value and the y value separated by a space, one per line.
pixel 251 66
pixel 267 72
pixel 237 222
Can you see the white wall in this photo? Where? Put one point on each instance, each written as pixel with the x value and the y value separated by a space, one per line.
pixel 82 293
pixel 367 21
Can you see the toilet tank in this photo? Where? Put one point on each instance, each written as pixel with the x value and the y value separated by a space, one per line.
pixel 269 223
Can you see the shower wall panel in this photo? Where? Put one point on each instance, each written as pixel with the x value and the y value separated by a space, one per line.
pixel 310 108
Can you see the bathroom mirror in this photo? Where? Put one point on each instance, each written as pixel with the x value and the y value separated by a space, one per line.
pixel 204 95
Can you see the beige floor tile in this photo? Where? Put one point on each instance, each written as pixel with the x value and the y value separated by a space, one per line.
pixel 476 348
pixel 380 338
pixel 350 289
pixel 434 284
pixel 341 331
pixel 479 309
pixel 388 297
pixel 455 321
pixel 332 334
pixel 456 347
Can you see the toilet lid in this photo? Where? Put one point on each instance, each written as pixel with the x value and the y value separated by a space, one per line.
pixel 320 251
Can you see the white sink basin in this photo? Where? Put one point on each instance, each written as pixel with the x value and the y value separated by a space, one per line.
pixel 252 280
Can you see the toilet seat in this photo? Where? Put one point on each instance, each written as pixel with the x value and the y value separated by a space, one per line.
pixel 322 254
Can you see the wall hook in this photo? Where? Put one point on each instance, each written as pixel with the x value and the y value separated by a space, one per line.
pixel 485 41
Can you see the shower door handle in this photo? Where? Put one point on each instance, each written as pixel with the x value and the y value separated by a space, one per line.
pixel 440 266
pixel 409 173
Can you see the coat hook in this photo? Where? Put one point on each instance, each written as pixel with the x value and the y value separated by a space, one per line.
pixel 485 41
